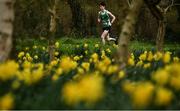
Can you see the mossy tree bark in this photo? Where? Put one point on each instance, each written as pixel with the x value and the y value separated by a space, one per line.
pixel 128 30
pixel 52 29
pixel 6 28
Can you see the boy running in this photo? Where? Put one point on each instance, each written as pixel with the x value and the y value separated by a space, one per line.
pixel 104 18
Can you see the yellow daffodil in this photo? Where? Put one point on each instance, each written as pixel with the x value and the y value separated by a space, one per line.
pixel 95 57
pixel 8 70
pixel 36 57
pixel 76 58
pixel 56 53
pixel 140 63
pixel 150 56
pixel 67 64
pixel 86 65
pixel 7 102
pixel 86 45
pixel 121 75
pixel 147 65
pixel 131 62
pixel 158 56
pixel 175 59
pixel 167 57
pixel 142 95
pixel 163 97
pixel 21 54
pixel 57 45
pixel 96 45
pixel 143 56
pixel 161 77
pixel 75 93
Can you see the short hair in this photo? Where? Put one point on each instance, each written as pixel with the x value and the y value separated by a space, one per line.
pixel 103 4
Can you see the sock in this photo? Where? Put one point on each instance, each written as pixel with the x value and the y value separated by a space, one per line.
pixel 112 39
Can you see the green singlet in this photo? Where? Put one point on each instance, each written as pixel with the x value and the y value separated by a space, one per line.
pixel 104 16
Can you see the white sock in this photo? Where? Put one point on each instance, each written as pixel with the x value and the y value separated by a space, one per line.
pixel 112 39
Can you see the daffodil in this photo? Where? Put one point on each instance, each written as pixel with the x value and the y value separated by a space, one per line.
pixel 158 56
pixel 95 57
pixel 163 97
pixel 112 69
pixel 67 64
pixel 167 57
pixel 89 89
pixel 147 65
pixel 86 52
pixel 7 102
pixel 108 50
pixel 103 54
pixel 85 45
pixel 16 84
pixel 96 45
pixel 161 77
pixel 34 47
pixel 43 48
pixel 140 63
pixel 175 83
pixel 131 62
pixel 76 58
pixel 21 54
pixel 143 56
pixel 36 57
pixel 175 59
pixel 56 53
pixel 142 95
pixel 121 75
pixel 77 46
pixel 86 65
pixel 150 56
pixel 57 45
pixel 8 70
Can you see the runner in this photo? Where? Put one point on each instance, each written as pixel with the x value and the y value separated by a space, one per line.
pixel 104 17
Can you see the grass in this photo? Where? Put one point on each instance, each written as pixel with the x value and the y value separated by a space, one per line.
pixel 68 44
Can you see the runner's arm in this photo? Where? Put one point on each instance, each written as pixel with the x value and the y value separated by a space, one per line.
pixel 113 17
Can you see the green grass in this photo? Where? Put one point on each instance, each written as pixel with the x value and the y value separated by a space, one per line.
pixel 68 45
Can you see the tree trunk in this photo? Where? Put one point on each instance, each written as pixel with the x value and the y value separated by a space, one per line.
pixel 78 17
pixel 52 30
pixel 6 28
pixel 160 35
pixel 147 25
pixel 127 31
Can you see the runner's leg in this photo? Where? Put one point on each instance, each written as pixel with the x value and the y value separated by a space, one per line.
pixel 109 38
pixel 103 36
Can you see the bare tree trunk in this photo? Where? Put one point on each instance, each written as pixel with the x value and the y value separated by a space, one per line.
pixel 78 17
pixel 127 31
pixel 52 29
pixel 6 28
pixel 160 35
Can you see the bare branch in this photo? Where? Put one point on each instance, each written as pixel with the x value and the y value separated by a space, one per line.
pixel 130 2
pixel 50 11
pixel 172 5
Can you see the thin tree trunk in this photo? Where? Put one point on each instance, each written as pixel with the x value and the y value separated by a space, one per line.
pixel 6 28
pixel 52 30
pixel 127 31
pixel 161 35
